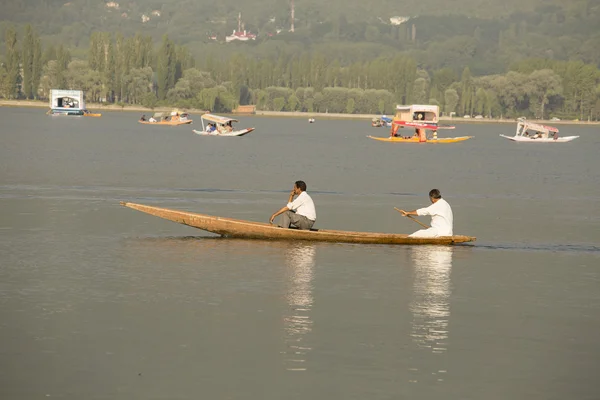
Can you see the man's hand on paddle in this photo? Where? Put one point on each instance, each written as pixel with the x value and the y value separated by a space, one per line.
pixel 404 213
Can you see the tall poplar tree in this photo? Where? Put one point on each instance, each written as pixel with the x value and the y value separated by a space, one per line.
pixel 166 67
pixel 12 64
pixel 27 65
pixel 37 67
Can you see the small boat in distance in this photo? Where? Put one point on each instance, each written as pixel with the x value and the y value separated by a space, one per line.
pixel 382 121
pixel 175 118
pixel 311 120
pixel 216 125
pixel 88 113
pixel 234 228
pixel 540 133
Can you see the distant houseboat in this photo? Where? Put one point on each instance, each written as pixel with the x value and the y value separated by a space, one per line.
pixel 67 102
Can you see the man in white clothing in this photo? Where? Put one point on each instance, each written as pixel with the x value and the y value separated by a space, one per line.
pixel 300 212
pixel 441 217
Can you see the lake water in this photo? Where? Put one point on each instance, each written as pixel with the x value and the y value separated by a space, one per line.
pixel 98 301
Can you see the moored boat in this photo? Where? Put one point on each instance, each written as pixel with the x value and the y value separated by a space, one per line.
pixel 175 118
pixel 88 113
pixel 66 103
pixel 540 133
pixel 234 228
pixel 216 125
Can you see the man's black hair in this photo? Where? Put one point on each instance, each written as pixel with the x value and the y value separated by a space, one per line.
pixel 301 185
pixel 435 194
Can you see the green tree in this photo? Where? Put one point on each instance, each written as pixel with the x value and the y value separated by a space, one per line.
pixel 166 67
pixel 293 102
pixel 450 100
pixel 350 105
pixel 11 78
pixel 278 103
pixel 543 84
pixel 466 92
pixel 28 49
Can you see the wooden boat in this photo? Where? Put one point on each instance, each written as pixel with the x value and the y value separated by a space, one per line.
pixel 173 119
pixel 257 230
pixel 421 117
pixel 540 133
pixel 87 113
pixel 222 126
pixel 416 139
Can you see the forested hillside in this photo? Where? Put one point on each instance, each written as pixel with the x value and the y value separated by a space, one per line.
pixel 534 57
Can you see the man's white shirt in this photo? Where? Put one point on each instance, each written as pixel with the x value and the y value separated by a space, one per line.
pixel 441 217
pixel 303 205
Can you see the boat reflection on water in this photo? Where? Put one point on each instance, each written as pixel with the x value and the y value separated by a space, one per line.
pixel 300 263
pixel 430 303
pixel 430 306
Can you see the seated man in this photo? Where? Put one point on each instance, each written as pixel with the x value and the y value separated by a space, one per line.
pixel 441 217
pixel 300 212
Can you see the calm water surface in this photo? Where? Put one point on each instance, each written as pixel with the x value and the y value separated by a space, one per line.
pixel 102 302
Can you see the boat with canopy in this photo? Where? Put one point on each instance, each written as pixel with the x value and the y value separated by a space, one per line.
pixel 234 228
pixel 529 132
pixel 423 118
pixel 174 118
pixel 216 125
pixel 66 103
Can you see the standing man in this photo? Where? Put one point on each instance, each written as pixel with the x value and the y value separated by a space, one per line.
pixel 300 212
pixel 441 217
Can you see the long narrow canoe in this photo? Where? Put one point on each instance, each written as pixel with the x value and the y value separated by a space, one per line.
pixel 416 140
pixel 257 230
pixel 168 123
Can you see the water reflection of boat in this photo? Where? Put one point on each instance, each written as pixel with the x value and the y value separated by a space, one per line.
pixel 430 308
pixel 431 295
pixel 300 262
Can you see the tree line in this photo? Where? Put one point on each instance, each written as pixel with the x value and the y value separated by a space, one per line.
pixel 133 70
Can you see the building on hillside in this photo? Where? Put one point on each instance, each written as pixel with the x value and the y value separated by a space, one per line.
pixel 112 4
pixel 242 36
pixel 156 13
pixel 145 18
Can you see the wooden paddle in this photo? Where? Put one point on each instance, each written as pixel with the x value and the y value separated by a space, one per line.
pixel 416 220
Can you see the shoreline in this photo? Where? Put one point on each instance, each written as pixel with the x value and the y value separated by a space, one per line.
pixel 278 114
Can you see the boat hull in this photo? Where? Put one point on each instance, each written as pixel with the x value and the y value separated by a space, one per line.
pixel 522 139
pixel 167 123
pixel 241 132
pixel 256 230
pixel 416 140
pixel 65 113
